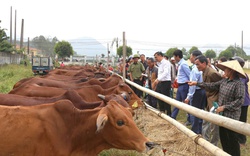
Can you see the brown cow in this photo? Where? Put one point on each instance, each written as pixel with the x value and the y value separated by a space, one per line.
pixel 34 90
pixel 72 95
pixel 67 83
pixel 64 75
pixel 119 89
pixel 21 82
pixel 61 129
pixel 88 93
pixel 119 99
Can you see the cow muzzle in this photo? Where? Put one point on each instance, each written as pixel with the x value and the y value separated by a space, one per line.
pixel 150 145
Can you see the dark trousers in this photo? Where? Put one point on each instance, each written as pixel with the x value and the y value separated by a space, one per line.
pixel 198 101
pixel 243 117
pixel 137 91
pixel 164 87
pixel 152 101
pixel 181 95
pixel 229 141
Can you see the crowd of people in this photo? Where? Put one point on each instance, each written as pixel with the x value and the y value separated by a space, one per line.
pixel 200 85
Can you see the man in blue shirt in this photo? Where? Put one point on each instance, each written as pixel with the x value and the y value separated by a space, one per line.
pixel 182 77
pixel 196 96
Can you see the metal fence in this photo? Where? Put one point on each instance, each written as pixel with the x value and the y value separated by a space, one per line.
pixel 9 58
pixel 82 60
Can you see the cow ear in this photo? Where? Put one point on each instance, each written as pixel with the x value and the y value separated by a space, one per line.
pixel 101 121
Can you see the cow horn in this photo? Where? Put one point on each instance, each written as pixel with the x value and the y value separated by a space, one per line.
pixel 101 121
pixel 101 96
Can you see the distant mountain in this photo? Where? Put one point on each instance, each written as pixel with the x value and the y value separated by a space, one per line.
pixel 217 47
pixel 87 46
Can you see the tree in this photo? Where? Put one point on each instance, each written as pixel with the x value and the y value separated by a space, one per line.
pixel 210 53
pixel 120 51
pixel 5 46
pixel 63 49
pixel 233 51
pixel 192 49
pixel 3 35
pixel 170 52
pixel 46 45
pixel 237 51
pixel 184 51
pixel 226 53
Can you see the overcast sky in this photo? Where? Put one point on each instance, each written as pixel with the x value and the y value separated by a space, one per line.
pixel 146 22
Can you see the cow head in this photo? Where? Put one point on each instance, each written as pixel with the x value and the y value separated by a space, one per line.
pixel 116 126
pixel 118 98
pixel 135 101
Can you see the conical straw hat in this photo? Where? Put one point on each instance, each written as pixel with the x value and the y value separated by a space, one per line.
pixel 234 65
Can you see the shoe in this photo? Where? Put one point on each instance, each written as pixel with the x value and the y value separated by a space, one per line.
pixel 187 123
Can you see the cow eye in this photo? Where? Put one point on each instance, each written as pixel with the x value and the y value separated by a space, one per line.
pixel 130 92
pixel 124 96
pixel 120 122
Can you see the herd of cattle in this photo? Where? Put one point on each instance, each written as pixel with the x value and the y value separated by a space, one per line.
pixel 74 110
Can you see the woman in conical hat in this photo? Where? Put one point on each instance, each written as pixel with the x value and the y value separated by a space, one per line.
pixel 234 67
pixel 244 107
pixel 231 97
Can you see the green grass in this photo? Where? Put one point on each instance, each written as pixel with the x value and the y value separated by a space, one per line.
pixel 247 71
pixel 116 152
pixel 10 74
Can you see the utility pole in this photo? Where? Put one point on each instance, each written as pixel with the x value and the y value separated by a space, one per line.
pixel 235 48
pixel 15 32
pixel 108 54
pixel 124 56
pixel 115 40
pixel 28 48
pixel 242 40
pixel 21 40
pixel 11 25
pixel 111 46
pixel 242 43
pixel 116 47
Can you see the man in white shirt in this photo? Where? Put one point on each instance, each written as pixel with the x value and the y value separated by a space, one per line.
pixel 163 81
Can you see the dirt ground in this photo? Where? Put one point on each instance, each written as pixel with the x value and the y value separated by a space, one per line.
pixel 169 137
